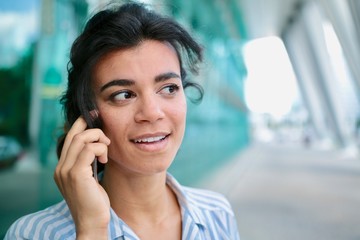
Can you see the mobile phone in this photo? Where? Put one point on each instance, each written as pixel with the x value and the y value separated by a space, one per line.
pixel 94 123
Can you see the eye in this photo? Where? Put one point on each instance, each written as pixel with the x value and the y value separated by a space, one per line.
pixel 122 95
pixel 169 89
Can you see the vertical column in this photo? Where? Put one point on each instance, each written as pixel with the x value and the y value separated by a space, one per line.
pixel 59 23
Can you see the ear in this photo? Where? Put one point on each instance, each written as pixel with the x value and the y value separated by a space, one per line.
pixel 95 121
pixel 94 114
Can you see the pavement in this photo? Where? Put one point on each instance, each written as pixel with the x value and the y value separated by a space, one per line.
pixel 281 192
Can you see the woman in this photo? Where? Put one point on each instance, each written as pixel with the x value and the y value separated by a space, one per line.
pixel 126 106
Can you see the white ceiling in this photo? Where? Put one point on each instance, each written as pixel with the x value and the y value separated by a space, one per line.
pixel 266 17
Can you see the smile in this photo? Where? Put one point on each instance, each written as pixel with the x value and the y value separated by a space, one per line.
pixel 152 142
pixel 150 139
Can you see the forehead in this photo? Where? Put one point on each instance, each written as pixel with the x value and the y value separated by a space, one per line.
pixel 146 59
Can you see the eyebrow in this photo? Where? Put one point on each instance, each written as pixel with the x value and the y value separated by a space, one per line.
pixel 129 82
pixel 166 76
pixel 117 82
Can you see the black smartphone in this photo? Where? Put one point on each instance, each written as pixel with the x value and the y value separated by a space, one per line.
pixel 94 123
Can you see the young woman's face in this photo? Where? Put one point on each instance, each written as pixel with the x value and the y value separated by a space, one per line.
pixel 142 106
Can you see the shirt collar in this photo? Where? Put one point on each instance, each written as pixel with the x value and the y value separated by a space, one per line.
pixel 118 229
pixel 186 202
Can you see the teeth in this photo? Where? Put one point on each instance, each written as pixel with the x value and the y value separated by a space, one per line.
pixel 150 139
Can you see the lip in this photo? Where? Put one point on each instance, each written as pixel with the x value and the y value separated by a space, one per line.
pixel 152 142
pixel 149 135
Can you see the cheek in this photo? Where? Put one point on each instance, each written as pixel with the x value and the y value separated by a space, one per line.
pixel 112 122
pixel 179 113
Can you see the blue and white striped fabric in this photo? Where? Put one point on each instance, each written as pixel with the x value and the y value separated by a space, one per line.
pixel 205 215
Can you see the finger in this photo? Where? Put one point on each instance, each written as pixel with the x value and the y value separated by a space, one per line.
pixel 77 141
pixel 80 140
pixel 82 167
pixel 88 154
pixel 78 127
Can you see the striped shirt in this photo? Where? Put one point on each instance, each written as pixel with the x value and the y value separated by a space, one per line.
pixel 205 215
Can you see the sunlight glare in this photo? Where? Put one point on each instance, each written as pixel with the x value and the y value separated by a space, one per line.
pixel 270 86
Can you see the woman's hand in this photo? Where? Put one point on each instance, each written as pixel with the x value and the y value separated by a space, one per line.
pixel 87 200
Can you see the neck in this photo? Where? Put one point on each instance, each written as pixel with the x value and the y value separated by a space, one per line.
pixel 139 199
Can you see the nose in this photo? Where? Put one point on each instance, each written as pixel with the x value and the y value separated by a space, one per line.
pixel 149 109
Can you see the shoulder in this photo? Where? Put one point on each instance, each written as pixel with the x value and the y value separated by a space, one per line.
pixel 213 211
pixel 49 223
pixel 205 208
pixel 197 198
pixel 207 200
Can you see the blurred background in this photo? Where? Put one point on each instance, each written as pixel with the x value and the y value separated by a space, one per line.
pixel 278 130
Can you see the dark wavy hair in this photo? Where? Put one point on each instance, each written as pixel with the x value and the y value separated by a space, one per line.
pixel 114 28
